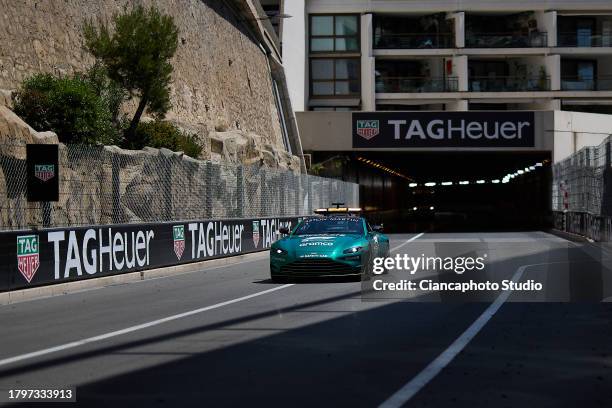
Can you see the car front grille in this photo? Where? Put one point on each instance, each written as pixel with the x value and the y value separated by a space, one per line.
pixel 313 266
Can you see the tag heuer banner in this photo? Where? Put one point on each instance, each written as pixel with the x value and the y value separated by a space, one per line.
pixel 42 172
pixel 48 256
pixel 443 129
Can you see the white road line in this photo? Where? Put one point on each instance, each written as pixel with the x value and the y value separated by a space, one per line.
pixel 131 329
pixel 404 394
pixel 407 241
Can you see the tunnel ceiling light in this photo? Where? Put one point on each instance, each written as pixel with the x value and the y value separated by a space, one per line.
pixel 430 184
pixel 520 172
pixel 413 185
pixel 414 208
pixel 480 181
pixel 527 170
pixel 496 181
pixel 531 168
pixel 505 181
pixel 464 183
pixel 432 208
pixel 538 165
pixel 447 183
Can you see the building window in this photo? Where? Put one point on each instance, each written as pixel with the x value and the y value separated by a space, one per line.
pixel 334 33
pixel 334 76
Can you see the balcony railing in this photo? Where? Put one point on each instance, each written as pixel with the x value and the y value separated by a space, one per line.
pixel 414 41
pixel 509 84
pixel 603 83
pixel 415 84
pixel 506 40
pixel 586 39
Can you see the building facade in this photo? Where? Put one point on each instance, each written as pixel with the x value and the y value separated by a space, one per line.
pixel 375 55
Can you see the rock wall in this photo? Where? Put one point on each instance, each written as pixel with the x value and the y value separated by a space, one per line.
pixel 221 79
pixel 106 184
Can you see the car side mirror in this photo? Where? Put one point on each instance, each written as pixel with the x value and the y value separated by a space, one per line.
pixel 284 230
pixel 378 228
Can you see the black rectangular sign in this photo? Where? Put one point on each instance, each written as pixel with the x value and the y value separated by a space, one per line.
pixel 443 129
pixel 59 255
pixel 42 172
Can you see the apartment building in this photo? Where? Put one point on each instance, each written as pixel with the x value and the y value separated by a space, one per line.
pixel 454 55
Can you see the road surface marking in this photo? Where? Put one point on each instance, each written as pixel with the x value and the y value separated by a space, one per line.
pixel 131 329
pixel 407 241
pixel 404 394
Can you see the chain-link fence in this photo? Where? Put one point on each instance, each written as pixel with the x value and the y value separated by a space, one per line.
pixel 583 181
pixel 108 185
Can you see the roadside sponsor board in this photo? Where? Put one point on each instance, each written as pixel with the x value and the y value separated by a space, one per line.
pixel 44 172
pixel 27 256
pixel 60 255
pixel 255 233
pixel 42 169
pixel 178 235
pixel 443 129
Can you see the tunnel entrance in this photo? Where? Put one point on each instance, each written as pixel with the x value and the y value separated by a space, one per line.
pixel 453 191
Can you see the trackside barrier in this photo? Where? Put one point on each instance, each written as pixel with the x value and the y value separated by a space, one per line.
pixel 38 257
pixel 596 227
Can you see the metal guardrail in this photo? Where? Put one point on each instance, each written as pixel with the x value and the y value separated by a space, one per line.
pixel 414 40
pixel 578 39
pixel 107 185
pixel 508 84
pixel 416 84
pixel 506 40
pixel 602 83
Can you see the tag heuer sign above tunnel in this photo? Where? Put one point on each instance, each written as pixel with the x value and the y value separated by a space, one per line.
pixel 443 129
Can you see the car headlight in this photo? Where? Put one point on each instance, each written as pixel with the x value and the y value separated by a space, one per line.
pixel 279 251
pixel 352 250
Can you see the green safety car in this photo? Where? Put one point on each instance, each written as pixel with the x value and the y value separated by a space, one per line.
pixel 337 242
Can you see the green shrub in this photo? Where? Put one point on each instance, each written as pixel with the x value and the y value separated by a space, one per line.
pixel 160 134
pixel 69 107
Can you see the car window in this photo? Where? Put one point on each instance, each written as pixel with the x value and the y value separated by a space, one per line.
pixel 330 225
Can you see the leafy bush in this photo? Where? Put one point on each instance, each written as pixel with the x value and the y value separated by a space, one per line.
pixel 164 134
pixel 69 107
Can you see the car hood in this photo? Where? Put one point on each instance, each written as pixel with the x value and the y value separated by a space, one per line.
pixel 321 244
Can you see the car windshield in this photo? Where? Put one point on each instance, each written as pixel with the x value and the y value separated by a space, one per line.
pixel 330 225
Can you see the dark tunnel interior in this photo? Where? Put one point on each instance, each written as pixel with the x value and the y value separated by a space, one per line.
pixel 397 190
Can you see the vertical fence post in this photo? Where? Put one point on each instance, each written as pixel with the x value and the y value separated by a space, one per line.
pixel 46 213
pixel 116 189
pixel 297 178
pixel 240 192
pixel 263 210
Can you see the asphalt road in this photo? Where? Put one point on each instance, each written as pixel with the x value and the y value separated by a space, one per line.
pixel 232 338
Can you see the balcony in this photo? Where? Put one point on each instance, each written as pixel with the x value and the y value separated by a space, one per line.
pixel 414 41
pixel 603 83
pixel 584 39
pixel 506 40
pixel 386 84
pixel 509 84
pixel 412 31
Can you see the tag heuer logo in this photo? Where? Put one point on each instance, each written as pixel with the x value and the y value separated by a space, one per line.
pixel 44 172
pixel 27 256
pixel 367 128
pixel 178 234
pixel 255 233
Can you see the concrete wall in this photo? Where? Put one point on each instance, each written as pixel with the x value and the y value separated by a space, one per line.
pixel 294 51
pixel 560 132
pixel 221 76
pixel 575 130
pixel 332 131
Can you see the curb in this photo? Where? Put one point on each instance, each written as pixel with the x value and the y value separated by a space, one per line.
pixel 570 236
pixel 23 295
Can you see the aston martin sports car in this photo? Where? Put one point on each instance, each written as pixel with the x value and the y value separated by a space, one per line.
pixel 334 244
